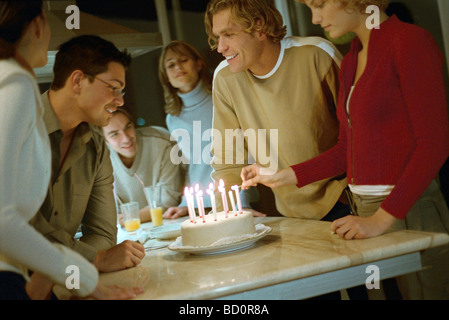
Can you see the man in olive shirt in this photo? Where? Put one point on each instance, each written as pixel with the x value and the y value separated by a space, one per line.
pixel 88 86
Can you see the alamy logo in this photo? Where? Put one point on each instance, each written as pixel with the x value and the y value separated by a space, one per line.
pixel 73 280
pixel 373 21
pixel 236 147
pixel 373 280
pixel 72 21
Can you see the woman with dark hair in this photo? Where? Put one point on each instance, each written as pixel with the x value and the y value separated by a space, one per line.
pixel 25 165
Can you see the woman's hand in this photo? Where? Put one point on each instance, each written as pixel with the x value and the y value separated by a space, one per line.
pixel 254 174
pixel 355 227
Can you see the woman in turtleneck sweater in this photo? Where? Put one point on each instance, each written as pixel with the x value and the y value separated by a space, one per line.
pixel 187 85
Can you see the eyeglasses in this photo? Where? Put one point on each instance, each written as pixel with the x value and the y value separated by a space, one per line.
pixel 117 91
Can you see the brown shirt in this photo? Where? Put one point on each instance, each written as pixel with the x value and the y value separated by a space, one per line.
pixel 80 192
pixel 294 106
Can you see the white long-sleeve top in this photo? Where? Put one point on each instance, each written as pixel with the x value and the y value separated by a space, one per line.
pixel 25 168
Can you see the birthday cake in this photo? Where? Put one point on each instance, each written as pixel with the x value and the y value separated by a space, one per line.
pixel 201 233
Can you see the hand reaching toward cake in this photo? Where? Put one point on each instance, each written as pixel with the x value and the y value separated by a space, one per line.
pixel 254 174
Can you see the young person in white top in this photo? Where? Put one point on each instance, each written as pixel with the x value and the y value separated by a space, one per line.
pixel 141 155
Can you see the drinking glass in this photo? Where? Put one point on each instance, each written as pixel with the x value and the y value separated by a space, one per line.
pixel 154 194
pixel 131 216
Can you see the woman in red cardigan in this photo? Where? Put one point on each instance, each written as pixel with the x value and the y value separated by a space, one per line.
pixel 394 133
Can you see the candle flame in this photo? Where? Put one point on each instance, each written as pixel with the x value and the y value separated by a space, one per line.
pixel 221 182
pixel 197 187
pixel 211 186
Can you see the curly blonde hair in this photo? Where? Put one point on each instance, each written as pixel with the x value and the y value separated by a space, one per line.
pixel 359 5
pixel 253 15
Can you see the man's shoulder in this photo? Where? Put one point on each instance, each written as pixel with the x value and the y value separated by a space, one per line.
pixel 222 69
pixel 316 45
pixel 301 46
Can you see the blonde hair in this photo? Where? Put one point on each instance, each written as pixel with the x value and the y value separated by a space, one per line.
pixel 360 5
pixel 252 15
pixel 173 103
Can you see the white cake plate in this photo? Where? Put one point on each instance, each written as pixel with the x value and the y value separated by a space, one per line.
pixel 237 245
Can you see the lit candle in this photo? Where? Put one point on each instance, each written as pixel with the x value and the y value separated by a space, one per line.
pixel 189 207
pixel 237 195
pixel 210 191
pixel 231 196
pixel 224 200
pixel 192 204
pixel 201 205
pixel 197 188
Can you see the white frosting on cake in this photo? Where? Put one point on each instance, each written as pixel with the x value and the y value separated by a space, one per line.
pixel 199 233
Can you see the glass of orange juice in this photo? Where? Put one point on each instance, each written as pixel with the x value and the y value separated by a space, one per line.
pixel 131 216
pixel 154 193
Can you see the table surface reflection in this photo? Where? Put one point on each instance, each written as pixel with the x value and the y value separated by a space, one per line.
pixel 294 251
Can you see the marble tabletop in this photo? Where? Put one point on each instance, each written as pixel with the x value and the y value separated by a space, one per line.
pixel 294 249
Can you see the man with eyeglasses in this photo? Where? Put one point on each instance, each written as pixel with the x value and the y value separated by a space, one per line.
pixel 89 79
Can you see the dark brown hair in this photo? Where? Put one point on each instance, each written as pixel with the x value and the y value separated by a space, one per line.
pixel 88 53
pixel 15 16
pixel 121 110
